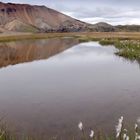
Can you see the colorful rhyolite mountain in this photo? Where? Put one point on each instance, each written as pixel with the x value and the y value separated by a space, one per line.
pixel 32 18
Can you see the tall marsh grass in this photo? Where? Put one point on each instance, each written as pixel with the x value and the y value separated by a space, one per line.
pixel 129 49
pixel 121 132
pixel 108 41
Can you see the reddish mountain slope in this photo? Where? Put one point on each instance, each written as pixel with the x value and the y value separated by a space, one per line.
pixel 36 17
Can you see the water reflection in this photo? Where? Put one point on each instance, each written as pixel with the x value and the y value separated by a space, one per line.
pixel 12 53
pixel 86 82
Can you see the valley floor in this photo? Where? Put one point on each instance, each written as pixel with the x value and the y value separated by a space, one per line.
pixel 94 35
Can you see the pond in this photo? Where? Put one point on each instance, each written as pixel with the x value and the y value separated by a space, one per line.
pixel 48 86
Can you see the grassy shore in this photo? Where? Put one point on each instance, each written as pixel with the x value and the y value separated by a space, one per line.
pixel 8 38
pixel 129 49
pixel 82 36
pixel 127 43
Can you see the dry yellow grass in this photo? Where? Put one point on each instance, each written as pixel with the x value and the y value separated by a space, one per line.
pixel 91 35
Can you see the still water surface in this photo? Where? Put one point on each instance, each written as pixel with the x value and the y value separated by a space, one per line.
pixel 69 83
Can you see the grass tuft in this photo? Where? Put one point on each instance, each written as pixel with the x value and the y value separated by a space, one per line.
pixel 108 41
pixel 129 49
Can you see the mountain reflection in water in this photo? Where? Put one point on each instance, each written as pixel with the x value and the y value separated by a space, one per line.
pixel 16 52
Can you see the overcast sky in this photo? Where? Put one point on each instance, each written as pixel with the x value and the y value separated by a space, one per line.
pixel 112 11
